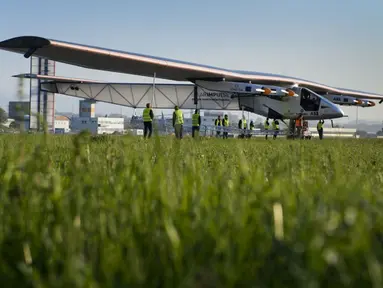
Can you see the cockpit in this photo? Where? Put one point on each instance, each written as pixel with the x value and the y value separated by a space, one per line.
pixel 309 101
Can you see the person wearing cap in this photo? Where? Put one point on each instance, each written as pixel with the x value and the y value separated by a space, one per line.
pixel 178 121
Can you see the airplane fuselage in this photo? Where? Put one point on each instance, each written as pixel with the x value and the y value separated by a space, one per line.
pixel 272 102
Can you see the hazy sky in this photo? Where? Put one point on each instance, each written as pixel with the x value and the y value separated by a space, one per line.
pixel 339 43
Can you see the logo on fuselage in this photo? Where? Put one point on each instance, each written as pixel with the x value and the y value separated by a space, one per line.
pixel 222 96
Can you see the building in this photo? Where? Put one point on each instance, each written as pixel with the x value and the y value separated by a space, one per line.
pixel 87 120
pixel 18 109
pixel 42 103
pixel 22 124
pixel 62 124
pixel 87 108
pixel 98 125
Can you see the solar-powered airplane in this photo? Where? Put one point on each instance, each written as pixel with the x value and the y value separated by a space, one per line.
pixel 210 88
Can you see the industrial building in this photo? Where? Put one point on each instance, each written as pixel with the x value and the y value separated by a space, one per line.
pixel 98 125
pixel 87 120
pixel 62 124
pixel 18 109
pixel 42 103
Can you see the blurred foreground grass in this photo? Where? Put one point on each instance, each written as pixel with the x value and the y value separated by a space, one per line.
pixel 79 211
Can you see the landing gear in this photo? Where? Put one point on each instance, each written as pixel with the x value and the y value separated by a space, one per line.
pixel 301 131
pixel 291 130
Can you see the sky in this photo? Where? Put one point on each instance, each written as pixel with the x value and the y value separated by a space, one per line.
pixel 338 43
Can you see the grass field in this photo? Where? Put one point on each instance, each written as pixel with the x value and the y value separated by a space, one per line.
pixel 79 211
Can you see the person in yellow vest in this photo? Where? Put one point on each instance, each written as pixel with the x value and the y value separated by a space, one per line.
pixel 196 122
pixel 266 126
pixel 148 116
pixel 320 128
pixel 225 124
pixel 275 125
pixel 178 122
pixel 252 128
pixel 218 125
pixel 242 124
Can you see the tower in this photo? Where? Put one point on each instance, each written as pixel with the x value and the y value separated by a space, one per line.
pixel 87 108
pixel 42 104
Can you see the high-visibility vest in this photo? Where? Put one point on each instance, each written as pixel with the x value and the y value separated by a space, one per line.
pixel 195 118
pixel 298 122
pixel 266 125
pixel 251 127
pixel 225 122
pixel 146 115
pixel 319 125
pixel 179 117
pixel 218 122
pixel 244 124
pixel 275 126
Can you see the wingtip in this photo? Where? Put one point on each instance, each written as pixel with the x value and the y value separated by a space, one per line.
pixel 25 75
pixel 24 42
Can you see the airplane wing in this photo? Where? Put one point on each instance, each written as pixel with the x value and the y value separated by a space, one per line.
pixel 136 95
pixel 137 64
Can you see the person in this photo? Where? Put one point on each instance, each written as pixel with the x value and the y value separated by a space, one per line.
pixel 218 124
pixel 226 125
pixel 320 128
pixel 196 122
pixel 243 126
pixel 266 126
pixel 275 124
pixel 178 121
pixel 298 125
pixel 252 126
pixel 148 116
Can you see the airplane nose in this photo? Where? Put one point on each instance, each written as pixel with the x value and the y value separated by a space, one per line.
pixel 339 112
